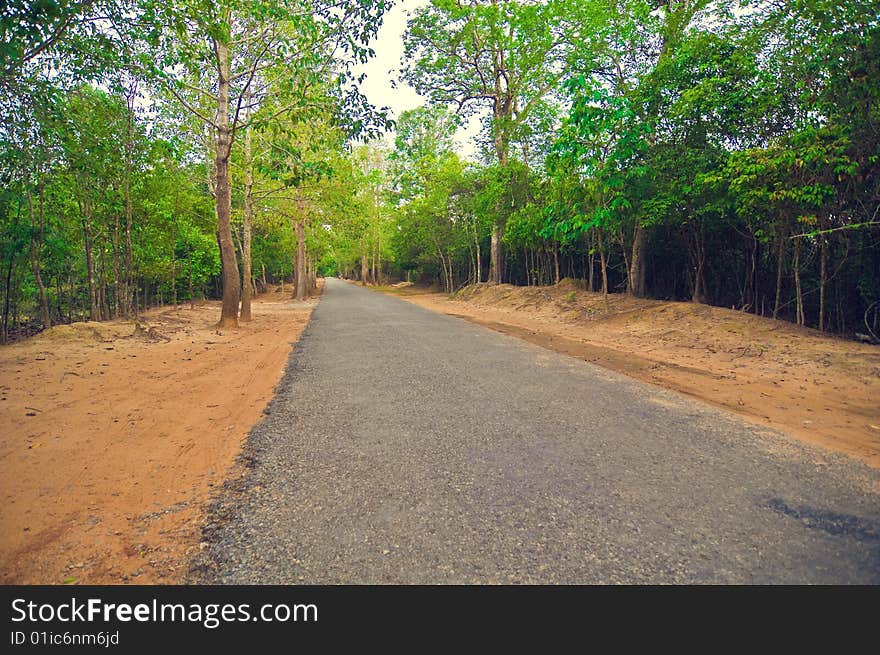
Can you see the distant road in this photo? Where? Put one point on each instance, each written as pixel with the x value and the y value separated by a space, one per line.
pixel 406 446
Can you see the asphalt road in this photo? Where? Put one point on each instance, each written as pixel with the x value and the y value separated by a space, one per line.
pixel 405 446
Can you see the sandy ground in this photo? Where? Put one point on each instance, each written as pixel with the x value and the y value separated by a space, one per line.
pixel 821 389
pixel 113 439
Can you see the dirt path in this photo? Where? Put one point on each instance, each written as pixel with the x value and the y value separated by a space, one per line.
pixel 823 390
pixel 113 439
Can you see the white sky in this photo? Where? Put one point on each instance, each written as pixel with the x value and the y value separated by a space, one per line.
pixel 384 67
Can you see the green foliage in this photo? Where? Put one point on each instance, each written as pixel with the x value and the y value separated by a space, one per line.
pixel 697 140
pixel 730 150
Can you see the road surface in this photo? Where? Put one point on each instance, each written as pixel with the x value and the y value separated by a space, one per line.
pixel 405 446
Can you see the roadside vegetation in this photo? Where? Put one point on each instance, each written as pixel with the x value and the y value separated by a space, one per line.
pixel 155 153
pixel 720 151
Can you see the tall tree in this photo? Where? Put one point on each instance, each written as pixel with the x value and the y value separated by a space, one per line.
pixel 241 43
pixel 507 56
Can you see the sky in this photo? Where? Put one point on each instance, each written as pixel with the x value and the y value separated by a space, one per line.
pixel 383 69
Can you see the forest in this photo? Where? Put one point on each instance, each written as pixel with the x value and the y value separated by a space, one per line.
pixel 724 152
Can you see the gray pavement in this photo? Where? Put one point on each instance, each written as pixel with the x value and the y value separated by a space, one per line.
pixel 405 446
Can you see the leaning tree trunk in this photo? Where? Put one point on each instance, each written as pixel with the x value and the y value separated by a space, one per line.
pixel 228 260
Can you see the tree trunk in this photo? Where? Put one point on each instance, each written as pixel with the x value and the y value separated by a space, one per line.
pixel 699 256
pixel 443 270
pixel 603 264
pixel 127 305
pixel 94 313
pixel 500 113
pixel 118 286
pixel 173 273
pixel 495 255
pixel 131 304
pixel 228 260
pixel 823 276
pixel 797 283
pixel 556 260
pixel 36 253
pixel 698 295
pixel 104 306
pixel 478 265
pixel 780 258
pixel 45 319
pixel 591 259
pixel 246 265
pixel 59 292
pixel 301 253
pixel 247 277
pixel 637 263
pixel 748 297
pixel 756 278
pixel 4 335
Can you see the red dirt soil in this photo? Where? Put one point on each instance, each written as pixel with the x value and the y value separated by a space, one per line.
pixel 114 438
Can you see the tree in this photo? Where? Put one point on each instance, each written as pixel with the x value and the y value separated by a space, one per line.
pixel 242 44
pixel 505 55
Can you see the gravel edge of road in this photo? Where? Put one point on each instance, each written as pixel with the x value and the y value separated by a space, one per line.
pixel 204 565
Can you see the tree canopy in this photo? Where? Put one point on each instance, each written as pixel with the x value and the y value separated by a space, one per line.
pixel 716 151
